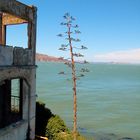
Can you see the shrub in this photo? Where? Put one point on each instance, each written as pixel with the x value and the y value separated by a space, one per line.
pixel 56 127
pixel 43 114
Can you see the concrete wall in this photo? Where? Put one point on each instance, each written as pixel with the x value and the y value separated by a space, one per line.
pixel 17 62
pixel 18 131
pixel 15 132
pixel 22 56
pixel 15 56
pixel 6 55
pixel 18 9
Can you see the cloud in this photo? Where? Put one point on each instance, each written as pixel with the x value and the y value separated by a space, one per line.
pixel 128 56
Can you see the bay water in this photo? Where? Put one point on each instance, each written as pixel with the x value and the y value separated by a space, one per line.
pixel 108 98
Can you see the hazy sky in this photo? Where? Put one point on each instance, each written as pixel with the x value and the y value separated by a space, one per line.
pixel 110 28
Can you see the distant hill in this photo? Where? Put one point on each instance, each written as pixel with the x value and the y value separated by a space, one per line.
pixel 47 58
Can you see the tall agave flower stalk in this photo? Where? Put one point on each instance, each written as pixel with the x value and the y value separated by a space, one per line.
pixel 71 30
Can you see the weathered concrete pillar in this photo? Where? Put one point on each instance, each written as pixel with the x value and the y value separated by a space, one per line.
pixel 0 28
pixel 32 33
pixel 2 31
pixel 4 34
pixel 25 100
pixel 32 103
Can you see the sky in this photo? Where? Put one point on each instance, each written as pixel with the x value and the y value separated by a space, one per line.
pixel 110 28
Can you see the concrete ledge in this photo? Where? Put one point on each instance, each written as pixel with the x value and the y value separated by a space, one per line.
pixel 22 56
pixel 10 56
pixel 6 55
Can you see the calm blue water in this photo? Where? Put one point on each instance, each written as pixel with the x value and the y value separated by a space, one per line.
pixel 108 97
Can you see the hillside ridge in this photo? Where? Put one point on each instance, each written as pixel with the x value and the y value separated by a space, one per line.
pixel 47 58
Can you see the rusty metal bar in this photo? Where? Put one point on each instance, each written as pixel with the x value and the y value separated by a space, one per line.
pixel 15 103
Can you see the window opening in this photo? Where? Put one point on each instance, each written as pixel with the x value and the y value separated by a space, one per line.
pixel 16 35
pixel 11 96
pixel 16 99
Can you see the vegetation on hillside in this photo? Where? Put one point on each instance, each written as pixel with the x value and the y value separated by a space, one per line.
pixel 50 125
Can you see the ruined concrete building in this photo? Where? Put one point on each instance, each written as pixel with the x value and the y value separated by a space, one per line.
pixel 17 74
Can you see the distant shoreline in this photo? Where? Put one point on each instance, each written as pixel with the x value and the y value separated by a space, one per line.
pixel 47 58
